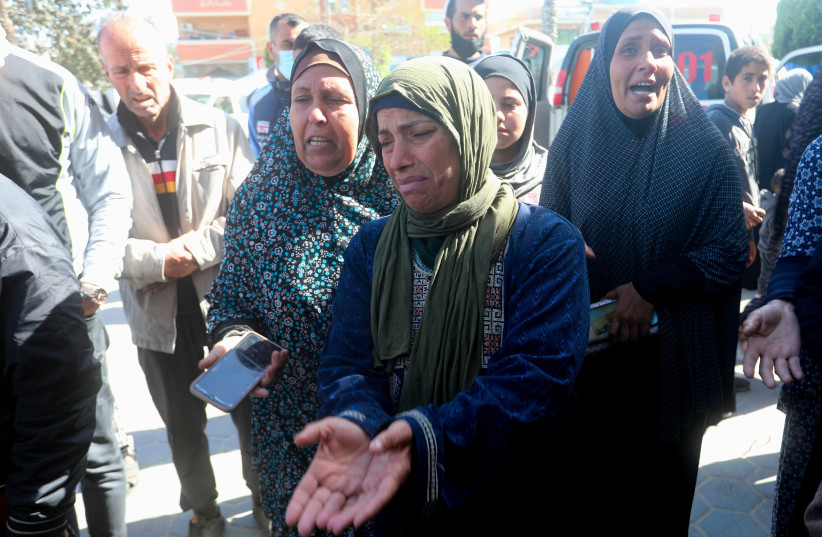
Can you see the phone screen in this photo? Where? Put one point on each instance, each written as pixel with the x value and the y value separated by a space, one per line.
pixel 229 380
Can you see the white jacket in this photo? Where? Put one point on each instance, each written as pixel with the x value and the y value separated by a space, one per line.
pixel 213 158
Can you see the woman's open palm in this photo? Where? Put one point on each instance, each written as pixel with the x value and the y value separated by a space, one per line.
pixel 350 478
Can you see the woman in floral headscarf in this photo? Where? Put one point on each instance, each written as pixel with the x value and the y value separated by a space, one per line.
pixel 315 183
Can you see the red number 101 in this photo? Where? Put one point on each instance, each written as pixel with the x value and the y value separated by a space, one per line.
pixel 688 59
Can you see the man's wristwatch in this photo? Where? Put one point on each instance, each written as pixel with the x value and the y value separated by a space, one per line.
pixel 93 293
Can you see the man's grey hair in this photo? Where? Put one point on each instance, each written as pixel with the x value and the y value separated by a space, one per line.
pixel 122 18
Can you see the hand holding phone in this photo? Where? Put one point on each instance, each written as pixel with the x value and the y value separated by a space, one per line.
pixel 241 369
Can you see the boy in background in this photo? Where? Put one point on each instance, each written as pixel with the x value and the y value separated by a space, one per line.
pixel 746 75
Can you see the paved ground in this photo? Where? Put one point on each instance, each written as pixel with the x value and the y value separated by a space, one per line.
pixel 737 471
pixel 733 495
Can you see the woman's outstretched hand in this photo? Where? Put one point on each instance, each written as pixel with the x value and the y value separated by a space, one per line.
pixel 351 477
pixel 773 340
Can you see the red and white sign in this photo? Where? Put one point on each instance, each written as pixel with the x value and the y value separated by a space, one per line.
pixel 193 51
pixel 210 6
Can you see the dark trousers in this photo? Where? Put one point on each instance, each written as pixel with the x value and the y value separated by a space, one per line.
pixel 813 515
pixel 104 485
pixel 168 377
pixel 807 513
pixel 628 474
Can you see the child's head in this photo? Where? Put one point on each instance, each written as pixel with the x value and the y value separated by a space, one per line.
pixel 746 75
pixel 776 180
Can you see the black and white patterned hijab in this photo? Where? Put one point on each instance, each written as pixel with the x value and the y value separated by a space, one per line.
pixel 644 197
pixel 626 189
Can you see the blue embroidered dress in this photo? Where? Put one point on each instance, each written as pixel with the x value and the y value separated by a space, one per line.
pixel 493 458
pixel 800 461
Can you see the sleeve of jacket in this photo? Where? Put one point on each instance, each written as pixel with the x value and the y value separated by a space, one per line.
pixel 144 261
pixel 230 306
pixel 96 164
pixel 808 303
pixel 49 374
pixel 718 246
pixel 252 128
pixel 348 384
pixel 728 132
pixel 206 244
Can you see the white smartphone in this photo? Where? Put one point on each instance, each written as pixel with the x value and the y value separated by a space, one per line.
pixel 234 375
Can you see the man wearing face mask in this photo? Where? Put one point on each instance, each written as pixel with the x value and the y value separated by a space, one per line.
pixel 266 103
pixel 466 21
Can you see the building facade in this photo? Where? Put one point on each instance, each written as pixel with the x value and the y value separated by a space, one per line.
pixel 227 38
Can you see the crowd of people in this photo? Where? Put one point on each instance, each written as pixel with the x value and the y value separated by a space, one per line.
pixel 429 272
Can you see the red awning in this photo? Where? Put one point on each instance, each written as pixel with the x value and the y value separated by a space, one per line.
pixel 234 50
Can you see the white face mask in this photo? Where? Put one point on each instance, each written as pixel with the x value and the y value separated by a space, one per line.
pixel 286 63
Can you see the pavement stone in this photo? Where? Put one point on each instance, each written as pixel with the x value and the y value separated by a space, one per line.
pixel 762 514
pixel 730 494
pixel 152 453
pixel 737 468
pixel 731 523
pixel 734 494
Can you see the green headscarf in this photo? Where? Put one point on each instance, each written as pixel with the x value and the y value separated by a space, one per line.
pixel 447 351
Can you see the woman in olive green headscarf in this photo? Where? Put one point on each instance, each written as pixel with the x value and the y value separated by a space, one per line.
pixel 458 328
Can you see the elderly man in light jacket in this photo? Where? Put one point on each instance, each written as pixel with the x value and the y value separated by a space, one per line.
pixel 185 161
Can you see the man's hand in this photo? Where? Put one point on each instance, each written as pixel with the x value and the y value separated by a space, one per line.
pixel 278 359
pixel 87 290
pixel 753 214
pixel 350 479
pixel 632 317
pixel 774 340
pixel 179 262
pixel 89 307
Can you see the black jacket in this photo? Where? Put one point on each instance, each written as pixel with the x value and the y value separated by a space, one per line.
pixel 265 106
pixel 738 131
pixel 773 131
pixel 48 376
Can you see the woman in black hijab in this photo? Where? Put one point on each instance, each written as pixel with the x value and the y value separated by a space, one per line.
pixel 646 177
pixel 518 158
